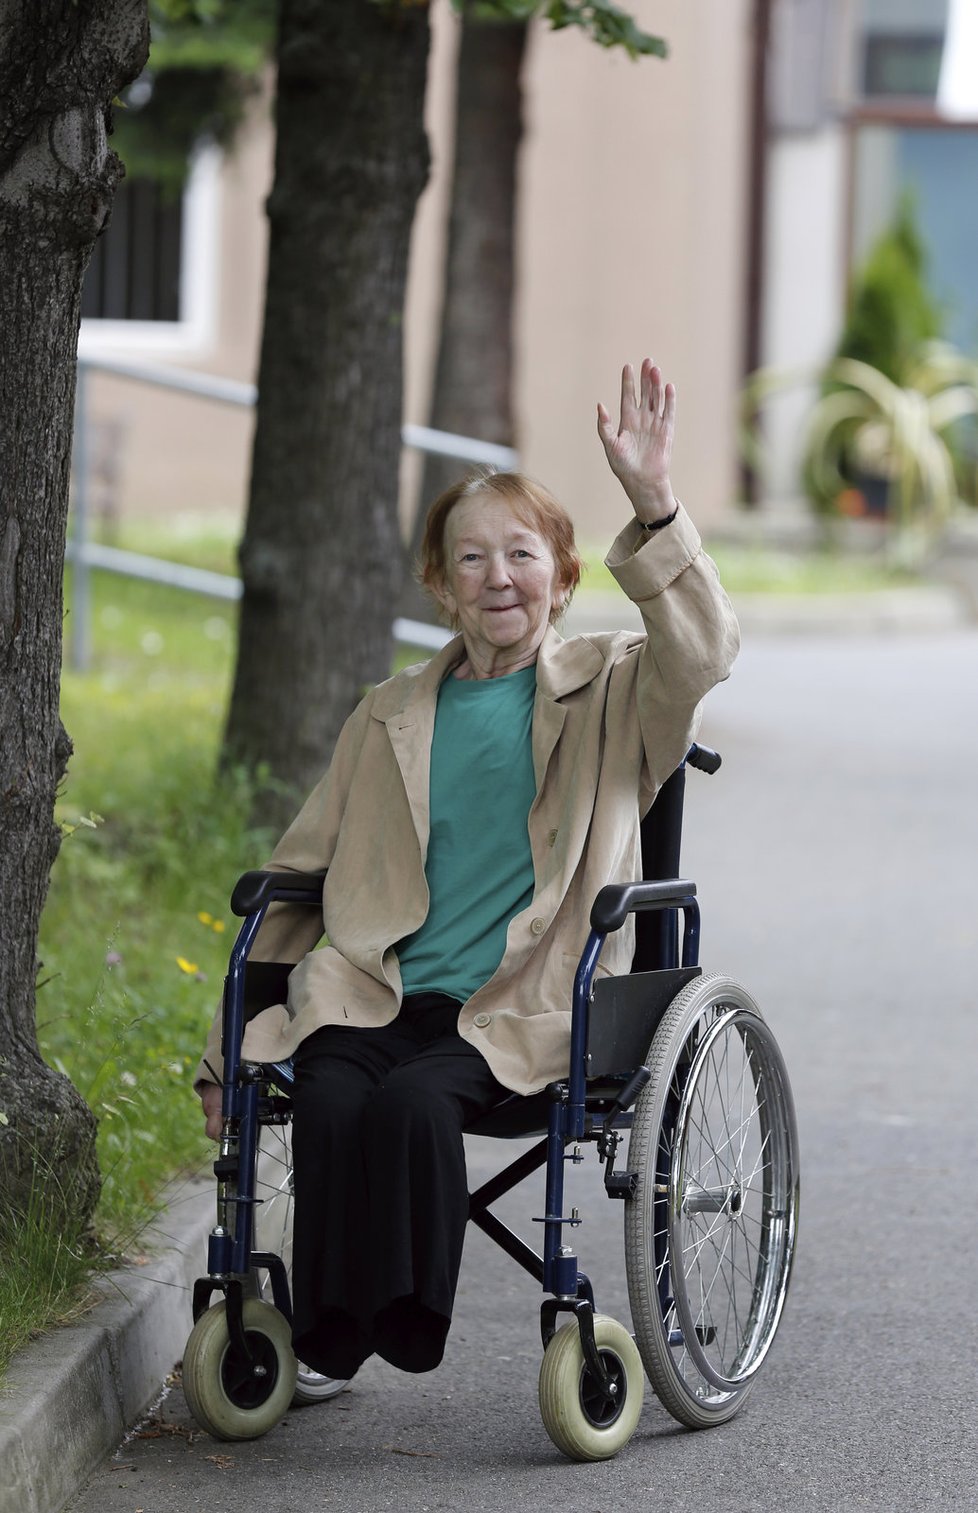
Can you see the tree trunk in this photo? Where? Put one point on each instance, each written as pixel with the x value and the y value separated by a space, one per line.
pixel 473 385
pixel 62 62
pixel 322 559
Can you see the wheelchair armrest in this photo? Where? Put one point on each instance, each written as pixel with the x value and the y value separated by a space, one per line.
pixel 616 901
pixel 253 889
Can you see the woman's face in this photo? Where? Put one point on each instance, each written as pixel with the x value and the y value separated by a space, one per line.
pixel 500 580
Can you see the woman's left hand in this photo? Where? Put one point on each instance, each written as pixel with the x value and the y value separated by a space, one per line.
pixel 639 452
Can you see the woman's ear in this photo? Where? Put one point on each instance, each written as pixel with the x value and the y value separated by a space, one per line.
pixel 444 598
pixel 561 598
pixel 441 591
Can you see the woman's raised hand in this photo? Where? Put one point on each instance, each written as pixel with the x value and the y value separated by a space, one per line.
pixel 639 451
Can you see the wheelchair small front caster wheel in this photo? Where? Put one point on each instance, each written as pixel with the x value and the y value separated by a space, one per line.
pixel 581 1420
pixel 231 1395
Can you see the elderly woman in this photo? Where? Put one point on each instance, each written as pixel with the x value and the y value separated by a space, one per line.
pixel 473 808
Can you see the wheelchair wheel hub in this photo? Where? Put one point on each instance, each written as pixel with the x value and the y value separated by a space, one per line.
pixel 602 1406
pixel 713 1200
pixel 249 1376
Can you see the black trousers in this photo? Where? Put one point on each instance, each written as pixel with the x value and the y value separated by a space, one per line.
pixel 381 1197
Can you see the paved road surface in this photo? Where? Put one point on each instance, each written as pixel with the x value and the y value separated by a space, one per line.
pixel 837 857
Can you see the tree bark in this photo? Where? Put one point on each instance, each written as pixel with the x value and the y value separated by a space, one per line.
pixel 322 559
pixel 473 387
pixel 62 62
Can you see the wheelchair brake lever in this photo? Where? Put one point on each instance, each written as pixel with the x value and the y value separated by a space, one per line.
pixel 627 1096
pixel 619 1184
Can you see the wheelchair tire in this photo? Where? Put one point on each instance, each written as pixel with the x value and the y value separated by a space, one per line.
pixel 710 1231
pixel 579 1420
pixel 273 1232
pixel 232 1398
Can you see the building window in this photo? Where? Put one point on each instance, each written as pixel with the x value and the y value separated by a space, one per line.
pixel 915 129
pixel 152 283
pixel 935 164
pixel 134 273
pixel 907 65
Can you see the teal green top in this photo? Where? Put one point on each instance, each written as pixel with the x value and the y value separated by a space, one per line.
pixel 478 868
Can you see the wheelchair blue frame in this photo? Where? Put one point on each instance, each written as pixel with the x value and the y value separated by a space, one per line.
pixel 574 1111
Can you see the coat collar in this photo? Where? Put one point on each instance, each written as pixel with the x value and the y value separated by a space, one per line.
pixel 562 667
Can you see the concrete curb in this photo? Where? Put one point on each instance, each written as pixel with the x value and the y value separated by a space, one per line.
pixel 68 1399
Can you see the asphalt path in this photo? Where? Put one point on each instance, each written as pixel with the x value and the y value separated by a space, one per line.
pixel 837 860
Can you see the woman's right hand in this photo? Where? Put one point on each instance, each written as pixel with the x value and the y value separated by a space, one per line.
pixel 210 1097
pixel 639 449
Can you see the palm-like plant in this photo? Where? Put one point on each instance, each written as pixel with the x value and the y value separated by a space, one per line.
pixel 897 431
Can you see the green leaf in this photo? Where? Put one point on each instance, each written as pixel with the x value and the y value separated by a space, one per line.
pixel 605 23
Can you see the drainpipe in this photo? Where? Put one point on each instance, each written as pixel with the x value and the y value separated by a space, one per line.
pixel 756 201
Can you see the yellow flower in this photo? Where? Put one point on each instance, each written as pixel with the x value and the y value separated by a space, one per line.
pixel 190 967
pixel 204 917
pixel 217 926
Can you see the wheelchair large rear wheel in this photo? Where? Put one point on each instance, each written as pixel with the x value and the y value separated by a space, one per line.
pixel 273 1232
pixel 710 1232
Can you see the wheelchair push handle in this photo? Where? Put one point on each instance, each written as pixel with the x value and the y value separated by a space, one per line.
pixel 254 890
pixel 616 901
pixel 704 758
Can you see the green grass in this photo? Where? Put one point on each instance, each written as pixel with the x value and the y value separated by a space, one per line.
pixel 136 931
pixel 209 541
pixel 762 570
pixel 44 1272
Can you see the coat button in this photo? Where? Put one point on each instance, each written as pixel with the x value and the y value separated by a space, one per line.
pixel 552 838
pixel 537 926
pixel 481 1020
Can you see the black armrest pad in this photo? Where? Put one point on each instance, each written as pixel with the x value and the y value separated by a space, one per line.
pixel 253 889
pixel 615 902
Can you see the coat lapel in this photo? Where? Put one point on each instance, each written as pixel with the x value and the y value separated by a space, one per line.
pixel 407 708
pixel 562 667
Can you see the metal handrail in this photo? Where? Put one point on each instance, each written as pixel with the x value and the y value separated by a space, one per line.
pixel 84 554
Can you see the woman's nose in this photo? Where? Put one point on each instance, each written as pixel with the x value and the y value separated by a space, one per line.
pixel 499 574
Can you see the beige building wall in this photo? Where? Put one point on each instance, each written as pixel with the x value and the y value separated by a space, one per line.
pixel 632 236
pixel 632 199
pixel 632 244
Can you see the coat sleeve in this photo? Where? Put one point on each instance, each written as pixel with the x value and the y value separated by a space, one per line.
pixel 692 635
pixel 289 931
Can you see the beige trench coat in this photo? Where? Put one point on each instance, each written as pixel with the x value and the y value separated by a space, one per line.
pixel 614 715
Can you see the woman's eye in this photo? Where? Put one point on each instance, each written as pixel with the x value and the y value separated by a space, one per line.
pixel 521 552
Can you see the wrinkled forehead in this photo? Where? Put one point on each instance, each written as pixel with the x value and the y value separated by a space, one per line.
pixel 482 516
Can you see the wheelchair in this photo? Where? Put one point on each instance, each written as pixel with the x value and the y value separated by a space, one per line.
pixel 710 1181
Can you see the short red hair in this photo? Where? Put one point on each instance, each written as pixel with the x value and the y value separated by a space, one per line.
pixel 530 502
